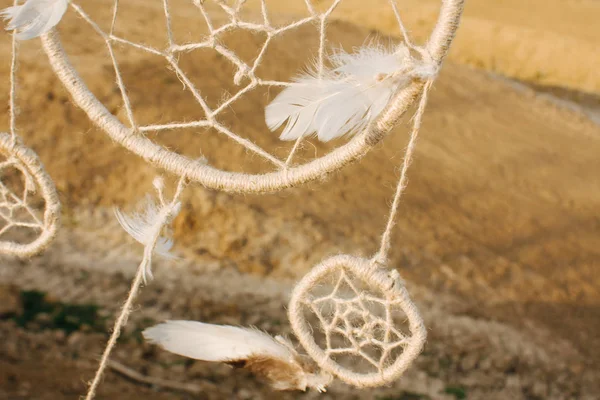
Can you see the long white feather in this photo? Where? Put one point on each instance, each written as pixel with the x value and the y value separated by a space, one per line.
pixel 35 17
pixel 217 343
pixel 345 98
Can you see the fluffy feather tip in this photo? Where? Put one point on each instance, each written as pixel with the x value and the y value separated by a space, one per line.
pixel 345 98
pixel 34 18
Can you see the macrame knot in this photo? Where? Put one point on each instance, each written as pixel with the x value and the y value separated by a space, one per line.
pixel 240 74
pixel 427 68
pixel 212 42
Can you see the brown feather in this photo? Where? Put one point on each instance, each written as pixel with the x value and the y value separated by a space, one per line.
pixel 237 363
pixel 279 374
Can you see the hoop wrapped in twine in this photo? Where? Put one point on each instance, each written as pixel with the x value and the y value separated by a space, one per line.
pixel 29 165
pixel 375 330
pixel 287 176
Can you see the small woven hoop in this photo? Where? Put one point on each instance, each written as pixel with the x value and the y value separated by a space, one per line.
pixel 437 46
pixel 31 162
pixel 375 277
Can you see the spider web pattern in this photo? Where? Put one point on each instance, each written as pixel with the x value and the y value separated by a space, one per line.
pixel 246 73
pixel 15 211
pixel 358 321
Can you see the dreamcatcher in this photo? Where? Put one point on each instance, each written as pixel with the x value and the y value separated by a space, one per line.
pixel 353 316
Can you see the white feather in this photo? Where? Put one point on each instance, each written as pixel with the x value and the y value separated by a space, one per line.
pixel 218 343
pixel 369 61
pixel 344 99
pixel 35 17
pixel 146 225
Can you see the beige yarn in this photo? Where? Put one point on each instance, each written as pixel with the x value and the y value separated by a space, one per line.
pixel 127 308
pixel 285 175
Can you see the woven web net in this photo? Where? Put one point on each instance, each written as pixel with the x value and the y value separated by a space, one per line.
pixel 358 323
pixel 20 213
pixel 197 79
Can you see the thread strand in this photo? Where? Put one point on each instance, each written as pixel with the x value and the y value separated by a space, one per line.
pixel 382 254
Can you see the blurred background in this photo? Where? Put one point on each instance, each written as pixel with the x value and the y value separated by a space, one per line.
pixel 498 237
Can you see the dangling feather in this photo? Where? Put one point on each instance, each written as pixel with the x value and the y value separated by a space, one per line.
pixel 345 98
pixel 146 226
pixel 273 359
pixel 35 17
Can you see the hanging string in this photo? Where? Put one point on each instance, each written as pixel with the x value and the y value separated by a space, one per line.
pixel 384 248
pixel 128 305
pixel 13 87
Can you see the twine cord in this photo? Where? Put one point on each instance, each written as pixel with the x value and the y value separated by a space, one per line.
pixel 128 305
pixel 12 99
pixel 384 248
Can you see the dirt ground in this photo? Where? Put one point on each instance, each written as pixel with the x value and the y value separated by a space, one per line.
pixel 498 237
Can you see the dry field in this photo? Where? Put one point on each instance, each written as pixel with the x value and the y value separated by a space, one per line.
pixel 498 239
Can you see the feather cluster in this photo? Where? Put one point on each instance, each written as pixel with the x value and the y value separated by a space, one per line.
pixel 345 98
pixel 35 17
pixel 274 359
pixel 146 227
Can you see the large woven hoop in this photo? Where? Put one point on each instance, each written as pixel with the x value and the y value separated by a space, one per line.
pixel 437 47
